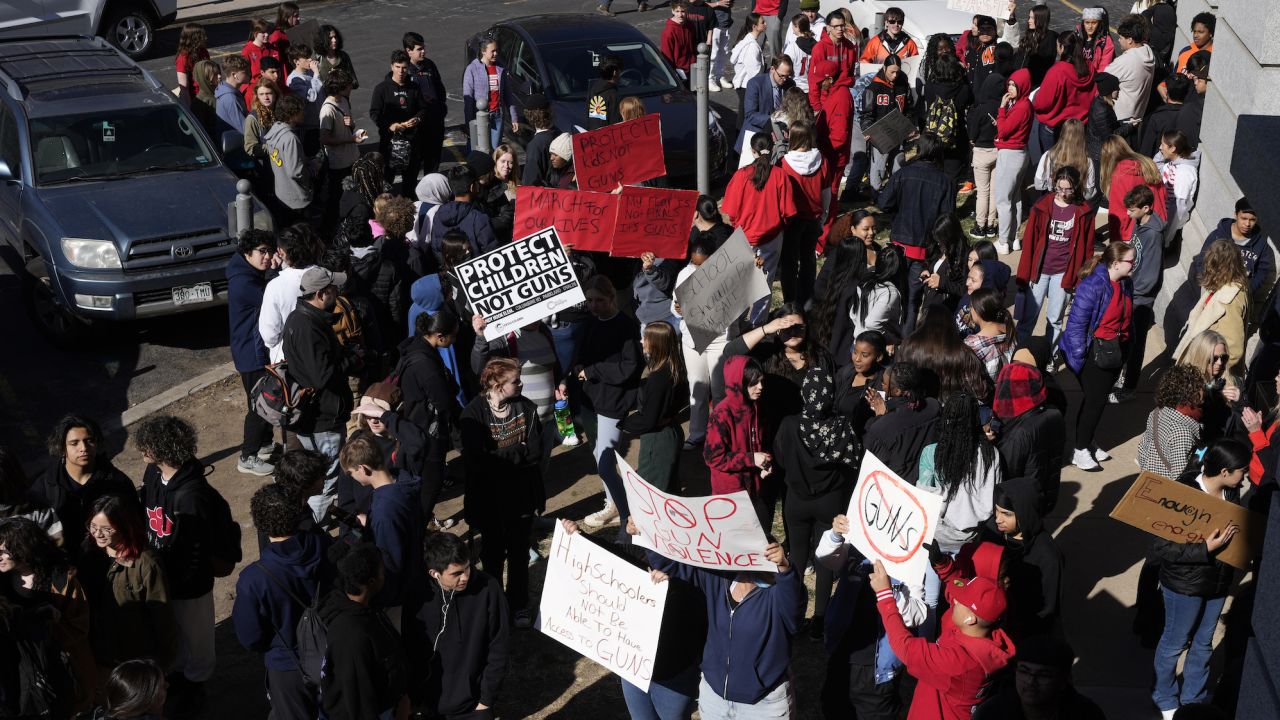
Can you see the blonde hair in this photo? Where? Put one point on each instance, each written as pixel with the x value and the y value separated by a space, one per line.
pixel 1199 355
pixel 513 181
pixel 1222 266
pixel 1116 150
pixel 631 108
pixel 1070 150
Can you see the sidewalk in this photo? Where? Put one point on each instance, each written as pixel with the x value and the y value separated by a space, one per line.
pixel 194 10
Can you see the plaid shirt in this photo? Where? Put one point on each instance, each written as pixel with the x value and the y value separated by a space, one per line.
pixel 1168 441
pixel 989 352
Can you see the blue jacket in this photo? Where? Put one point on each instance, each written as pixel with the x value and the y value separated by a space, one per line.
pixel 245 286
pixel 919 193
pixel 397 526
pixel 265 616
pixel 470 219
pixel 757 106
pixel 230 108
pixel 1093 295
pixel 748 650
pixel 1255 252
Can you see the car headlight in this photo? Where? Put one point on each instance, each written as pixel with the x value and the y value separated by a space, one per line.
pixel 91 254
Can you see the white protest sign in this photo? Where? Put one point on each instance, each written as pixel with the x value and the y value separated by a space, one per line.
pixel 890 520
pixel 718 532
pixel 992 8
pixel 720 290
pixel 521 282
pixel 601 606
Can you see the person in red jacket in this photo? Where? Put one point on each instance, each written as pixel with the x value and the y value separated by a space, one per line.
pixel 257 48
pixel 1057 242
pixel 679 39
pixel 1121 169
pixel 735 450
pixel 1013 128
pixel 811 192
pixel 1066 93
pixel 835 131
pixel 287 17
pixel 954 674
pixel 835 48
pixel 759 201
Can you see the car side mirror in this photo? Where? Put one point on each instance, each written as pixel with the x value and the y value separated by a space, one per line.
pixel 6 172
pixel 231 142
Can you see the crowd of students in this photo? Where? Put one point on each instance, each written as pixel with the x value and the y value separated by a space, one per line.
pixel 922 351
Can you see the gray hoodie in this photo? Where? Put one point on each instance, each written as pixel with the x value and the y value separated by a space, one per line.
pixel 1148 246
pixel 288 166
pixel 1135 69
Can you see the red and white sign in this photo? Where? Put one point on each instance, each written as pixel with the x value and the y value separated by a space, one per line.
pixel 717 532
pixel 624 153
pixel 584 220
pixel 655 220
pixel 891 520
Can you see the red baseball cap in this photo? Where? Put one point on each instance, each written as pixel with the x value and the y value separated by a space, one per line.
pixel 823 69
pixel 983 597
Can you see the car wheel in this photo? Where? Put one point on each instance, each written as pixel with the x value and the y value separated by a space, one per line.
pixel 50 318
pixel 131 28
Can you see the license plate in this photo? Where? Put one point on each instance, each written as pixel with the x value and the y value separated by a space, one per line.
pixel 191 294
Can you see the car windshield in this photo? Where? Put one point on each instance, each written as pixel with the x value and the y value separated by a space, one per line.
pixel 116 143
pixel 573 67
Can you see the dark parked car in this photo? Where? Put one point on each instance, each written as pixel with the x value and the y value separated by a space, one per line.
pixel 114 204
pixel 557 55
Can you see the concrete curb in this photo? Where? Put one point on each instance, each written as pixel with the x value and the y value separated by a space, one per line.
pixel 171 396
pixel 226 8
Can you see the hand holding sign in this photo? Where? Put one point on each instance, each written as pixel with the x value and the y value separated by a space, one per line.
pixel 516 284
pixel 622 153
pixel 892 520
pixel 722 287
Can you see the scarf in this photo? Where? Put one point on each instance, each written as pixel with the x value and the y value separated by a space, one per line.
pixel 830 437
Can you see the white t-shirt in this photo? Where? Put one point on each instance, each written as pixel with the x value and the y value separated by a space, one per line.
pixel 331 114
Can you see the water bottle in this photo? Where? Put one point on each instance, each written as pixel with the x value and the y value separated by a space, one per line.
pixel 564 423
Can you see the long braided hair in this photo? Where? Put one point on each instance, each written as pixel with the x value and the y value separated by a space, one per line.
pixel 960 443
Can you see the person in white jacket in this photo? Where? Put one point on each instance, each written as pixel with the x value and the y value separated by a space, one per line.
pixel 299 250
pixel 877 302
pixel 1135 68
pixel 748 55
pixel 1180 171
pixel 799 47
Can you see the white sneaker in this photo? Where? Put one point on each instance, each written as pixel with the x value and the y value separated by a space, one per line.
pixel 1083 459
pixel 1168 714
pixel 1101 455
pixel 726 83
pixel 1002 247
pixel 713 86
pixel 570 441
pixel 606 515
pixel 1017 245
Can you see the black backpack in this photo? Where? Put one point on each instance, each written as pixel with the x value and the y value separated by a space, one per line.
pixel 39 682
pixel 277 399
pixel 311 634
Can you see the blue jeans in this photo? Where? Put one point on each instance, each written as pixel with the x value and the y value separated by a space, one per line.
pixel 328 444
pixel 778 704
pixel 672 699
pixel 566 335
pixel 1027 307
pixel 771 253
pixel 604 441
pixel 1186 619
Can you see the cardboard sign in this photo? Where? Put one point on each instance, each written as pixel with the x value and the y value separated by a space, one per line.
pixel 717 532
pixel 584 220
pixel 994 8
pixel 654 220
pixel 890 131
pixel 516 284
pixel 628 152
pixel 890 520
pixel 601 606
pixel 720 290
pixel 1173 511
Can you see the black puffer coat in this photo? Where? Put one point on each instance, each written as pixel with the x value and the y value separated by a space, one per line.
pixel 1189 568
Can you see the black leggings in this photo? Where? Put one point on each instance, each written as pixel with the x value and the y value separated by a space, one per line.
pixel 806 520
pixel 1095 385
pixel 797 265
pixel 506 541
pixel 433 472
pixel 257 432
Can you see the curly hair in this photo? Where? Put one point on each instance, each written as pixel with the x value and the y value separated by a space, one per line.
pixel 396 216
pixel 905 381
pixel 168 440
pixel 300 470
pixel 496 371
pixel 1180 385
pixel 57 442
pixel 960 442
pixel 1223 266
pixel 358 566
pixel 32 548
pixel 276 510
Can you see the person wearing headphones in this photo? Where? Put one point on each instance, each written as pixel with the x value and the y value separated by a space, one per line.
pixel 463 631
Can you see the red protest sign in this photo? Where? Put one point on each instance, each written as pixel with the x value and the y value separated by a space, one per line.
pixel 628 152
pixel 654 220
pixel 585 220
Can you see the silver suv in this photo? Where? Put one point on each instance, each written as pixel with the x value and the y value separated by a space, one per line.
pixel 130 25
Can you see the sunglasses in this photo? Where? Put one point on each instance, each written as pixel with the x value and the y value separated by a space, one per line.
pixel 1221 358
pixel 794 331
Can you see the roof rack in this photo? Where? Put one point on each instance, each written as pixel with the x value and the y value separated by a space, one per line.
pixel 28 61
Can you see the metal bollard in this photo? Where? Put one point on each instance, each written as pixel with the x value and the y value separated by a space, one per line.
pixel 480 127
pixel 244 207
pixel 701 77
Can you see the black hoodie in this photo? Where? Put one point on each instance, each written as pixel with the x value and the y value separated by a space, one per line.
pixel 183 520
pixel 381 281
pixel 72 501
pixel 1033 564
pixel 365 671
pixel 602 104
pixel 464 635
pixel 981 116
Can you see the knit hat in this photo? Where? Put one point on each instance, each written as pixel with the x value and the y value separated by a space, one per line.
pixel 563 146
pixel 1107 83
pixel 480 163
pixel 809 4
pixel 1019 388
pixel 983 597
pixel 1093 13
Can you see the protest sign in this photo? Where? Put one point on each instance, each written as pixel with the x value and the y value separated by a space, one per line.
pixel 991 8
pixel 1183 514
pixel 891 520
pixel 627 152
pixel 516 284
pixel 603 607
pixel 720 290
pixel 890 131
pixel 654 220
pixel 584 220
pixel 717 532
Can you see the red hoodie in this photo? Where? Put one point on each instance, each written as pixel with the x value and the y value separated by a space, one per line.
pixel 679 43
pixel 954 674
pixel 810 178
pixel 760 213
pixel 1013 123
pixel 1124 178
pixel 735 433
pixel 1064 95
pixel 845 57
pixel 835 122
